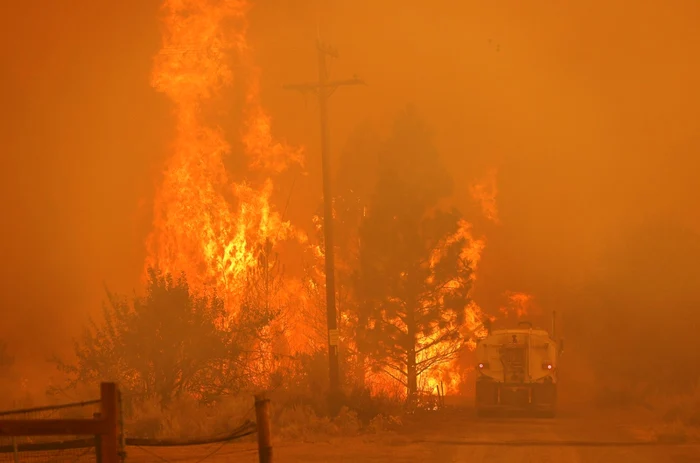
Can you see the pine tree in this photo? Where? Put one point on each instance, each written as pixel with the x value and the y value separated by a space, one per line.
pixel 413 280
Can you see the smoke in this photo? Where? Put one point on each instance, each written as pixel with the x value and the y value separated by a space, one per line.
pixel 587 111
pixel 82 134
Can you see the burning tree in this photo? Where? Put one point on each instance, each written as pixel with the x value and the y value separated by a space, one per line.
pixel 414 274
pixel 166 344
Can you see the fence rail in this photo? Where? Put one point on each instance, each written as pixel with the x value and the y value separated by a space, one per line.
pixel 49 408
pixel 103 430
pixel 105 425
pixel 247 429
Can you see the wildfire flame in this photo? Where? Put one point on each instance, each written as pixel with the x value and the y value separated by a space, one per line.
pixel 204 224
pixel 518 304
pixel 445 376
pixel 484 192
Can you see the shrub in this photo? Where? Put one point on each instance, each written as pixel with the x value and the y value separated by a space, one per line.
pixel 300 422
pixel 382 423
pixel 368 406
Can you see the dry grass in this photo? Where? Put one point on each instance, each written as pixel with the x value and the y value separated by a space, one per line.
pixel 300 423
pixel 186 418
pixel 291 421
pixel 679 417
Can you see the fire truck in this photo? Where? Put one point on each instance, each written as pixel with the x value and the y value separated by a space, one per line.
pixel 517 369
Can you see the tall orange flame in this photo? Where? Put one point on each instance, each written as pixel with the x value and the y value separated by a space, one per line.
pixel 484 192
pixel 204 224
pixel 518 305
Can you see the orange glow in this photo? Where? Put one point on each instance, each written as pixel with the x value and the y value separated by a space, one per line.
pixel 484 192
pixel 444 376
pixel 518 305
pixel 204 224
pixel 591 123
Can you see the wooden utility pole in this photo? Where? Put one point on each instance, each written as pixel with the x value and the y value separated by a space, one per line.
pixel 324 89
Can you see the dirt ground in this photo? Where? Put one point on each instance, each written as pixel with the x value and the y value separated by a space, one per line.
pixel 458 436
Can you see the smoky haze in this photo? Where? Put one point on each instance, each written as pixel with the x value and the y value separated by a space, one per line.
pixel 588 112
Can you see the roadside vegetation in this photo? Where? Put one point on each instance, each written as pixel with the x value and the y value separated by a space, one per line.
pixel 188 360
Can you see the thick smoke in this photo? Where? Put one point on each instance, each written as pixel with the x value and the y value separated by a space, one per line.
pixel 590 121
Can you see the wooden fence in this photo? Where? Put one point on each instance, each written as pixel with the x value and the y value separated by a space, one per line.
pixel 105 425
pixel 104 428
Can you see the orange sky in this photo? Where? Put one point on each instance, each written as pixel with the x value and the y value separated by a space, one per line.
pixel 588 109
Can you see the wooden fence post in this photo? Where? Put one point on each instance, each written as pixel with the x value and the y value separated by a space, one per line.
pixel 110 415
pixel 98 441
pixel 262 416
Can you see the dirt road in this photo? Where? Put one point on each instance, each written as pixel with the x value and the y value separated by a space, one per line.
pixel 460 437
